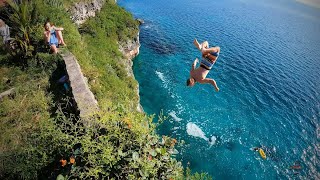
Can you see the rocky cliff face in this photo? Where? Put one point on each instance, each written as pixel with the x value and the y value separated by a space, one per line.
pixel 83 10
pixel 130 49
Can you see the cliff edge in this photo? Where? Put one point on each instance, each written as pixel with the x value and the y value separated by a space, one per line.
pixel 81 11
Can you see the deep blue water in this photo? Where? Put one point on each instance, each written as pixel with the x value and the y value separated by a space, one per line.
pixel 269 78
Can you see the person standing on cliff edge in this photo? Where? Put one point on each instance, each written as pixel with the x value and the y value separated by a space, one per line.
pixel 209 57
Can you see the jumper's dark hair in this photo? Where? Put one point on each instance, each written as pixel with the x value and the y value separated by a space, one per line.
pixel 188 82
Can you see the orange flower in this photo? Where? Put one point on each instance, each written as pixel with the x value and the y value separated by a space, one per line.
pixel 150 158
pixel 63 162
pixel 173 142
pixel 128 123
pixel 72 160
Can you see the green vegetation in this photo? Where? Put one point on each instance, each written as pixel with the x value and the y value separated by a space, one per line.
pixel 104 65
pixel 20 18
pixel 42 137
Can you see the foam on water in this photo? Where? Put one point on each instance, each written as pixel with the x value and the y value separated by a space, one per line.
pixel 194 130
pixel 161 76
pixel 175 128
pixel 213 140
pixel 174 116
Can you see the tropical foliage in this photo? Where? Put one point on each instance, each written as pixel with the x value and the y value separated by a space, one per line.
pixel 41 135
pixel 20 19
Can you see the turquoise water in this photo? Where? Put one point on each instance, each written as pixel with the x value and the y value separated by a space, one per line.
pixel 268 73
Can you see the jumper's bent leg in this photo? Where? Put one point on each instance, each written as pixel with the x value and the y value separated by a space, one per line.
pixel 215 85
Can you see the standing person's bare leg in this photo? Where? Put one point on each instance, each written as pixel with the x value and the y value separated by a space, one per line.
pixel 60 38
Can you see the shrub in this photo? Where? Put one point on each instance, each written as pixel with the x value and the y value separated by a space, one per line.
pixel 21 115
pixel 119 147
pixel 20 18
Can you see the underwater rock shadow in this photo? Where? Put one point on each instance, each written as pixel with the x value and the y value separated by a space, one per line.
pixel 156 40
pixel 160 45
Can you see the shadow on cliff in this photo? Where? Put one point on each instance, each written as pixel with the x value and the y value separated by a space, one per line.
pixel 62 93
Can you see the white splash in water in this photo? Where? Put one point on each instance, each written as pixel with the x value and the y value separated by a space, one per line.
pixel 175 128
pixel 194 130
pixel 174 116
pixel 163 79
pixel 213 140
pixel 161 76
pixel 180 107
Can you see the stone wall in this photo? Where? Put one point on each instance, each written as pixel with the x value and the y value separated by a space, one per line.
pixel 86 102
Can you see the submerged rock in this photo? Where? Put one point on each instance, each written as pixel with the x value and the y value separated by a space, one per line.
pixel 230 146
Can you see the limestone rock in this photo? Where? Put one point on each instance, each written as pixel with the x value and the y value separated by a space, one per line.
pixel 130 49
pixel 83 10
pixel 141 21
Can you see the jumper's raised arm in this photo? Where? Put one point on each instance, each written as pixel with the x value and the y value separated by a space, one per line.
pixel 194 64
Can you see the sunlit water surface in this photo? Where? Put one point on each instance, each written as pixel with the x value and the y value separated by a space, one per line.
pixel 268 73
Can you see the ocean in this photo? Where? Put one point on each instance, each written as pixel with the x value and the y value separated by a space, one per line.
pixel 268 73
